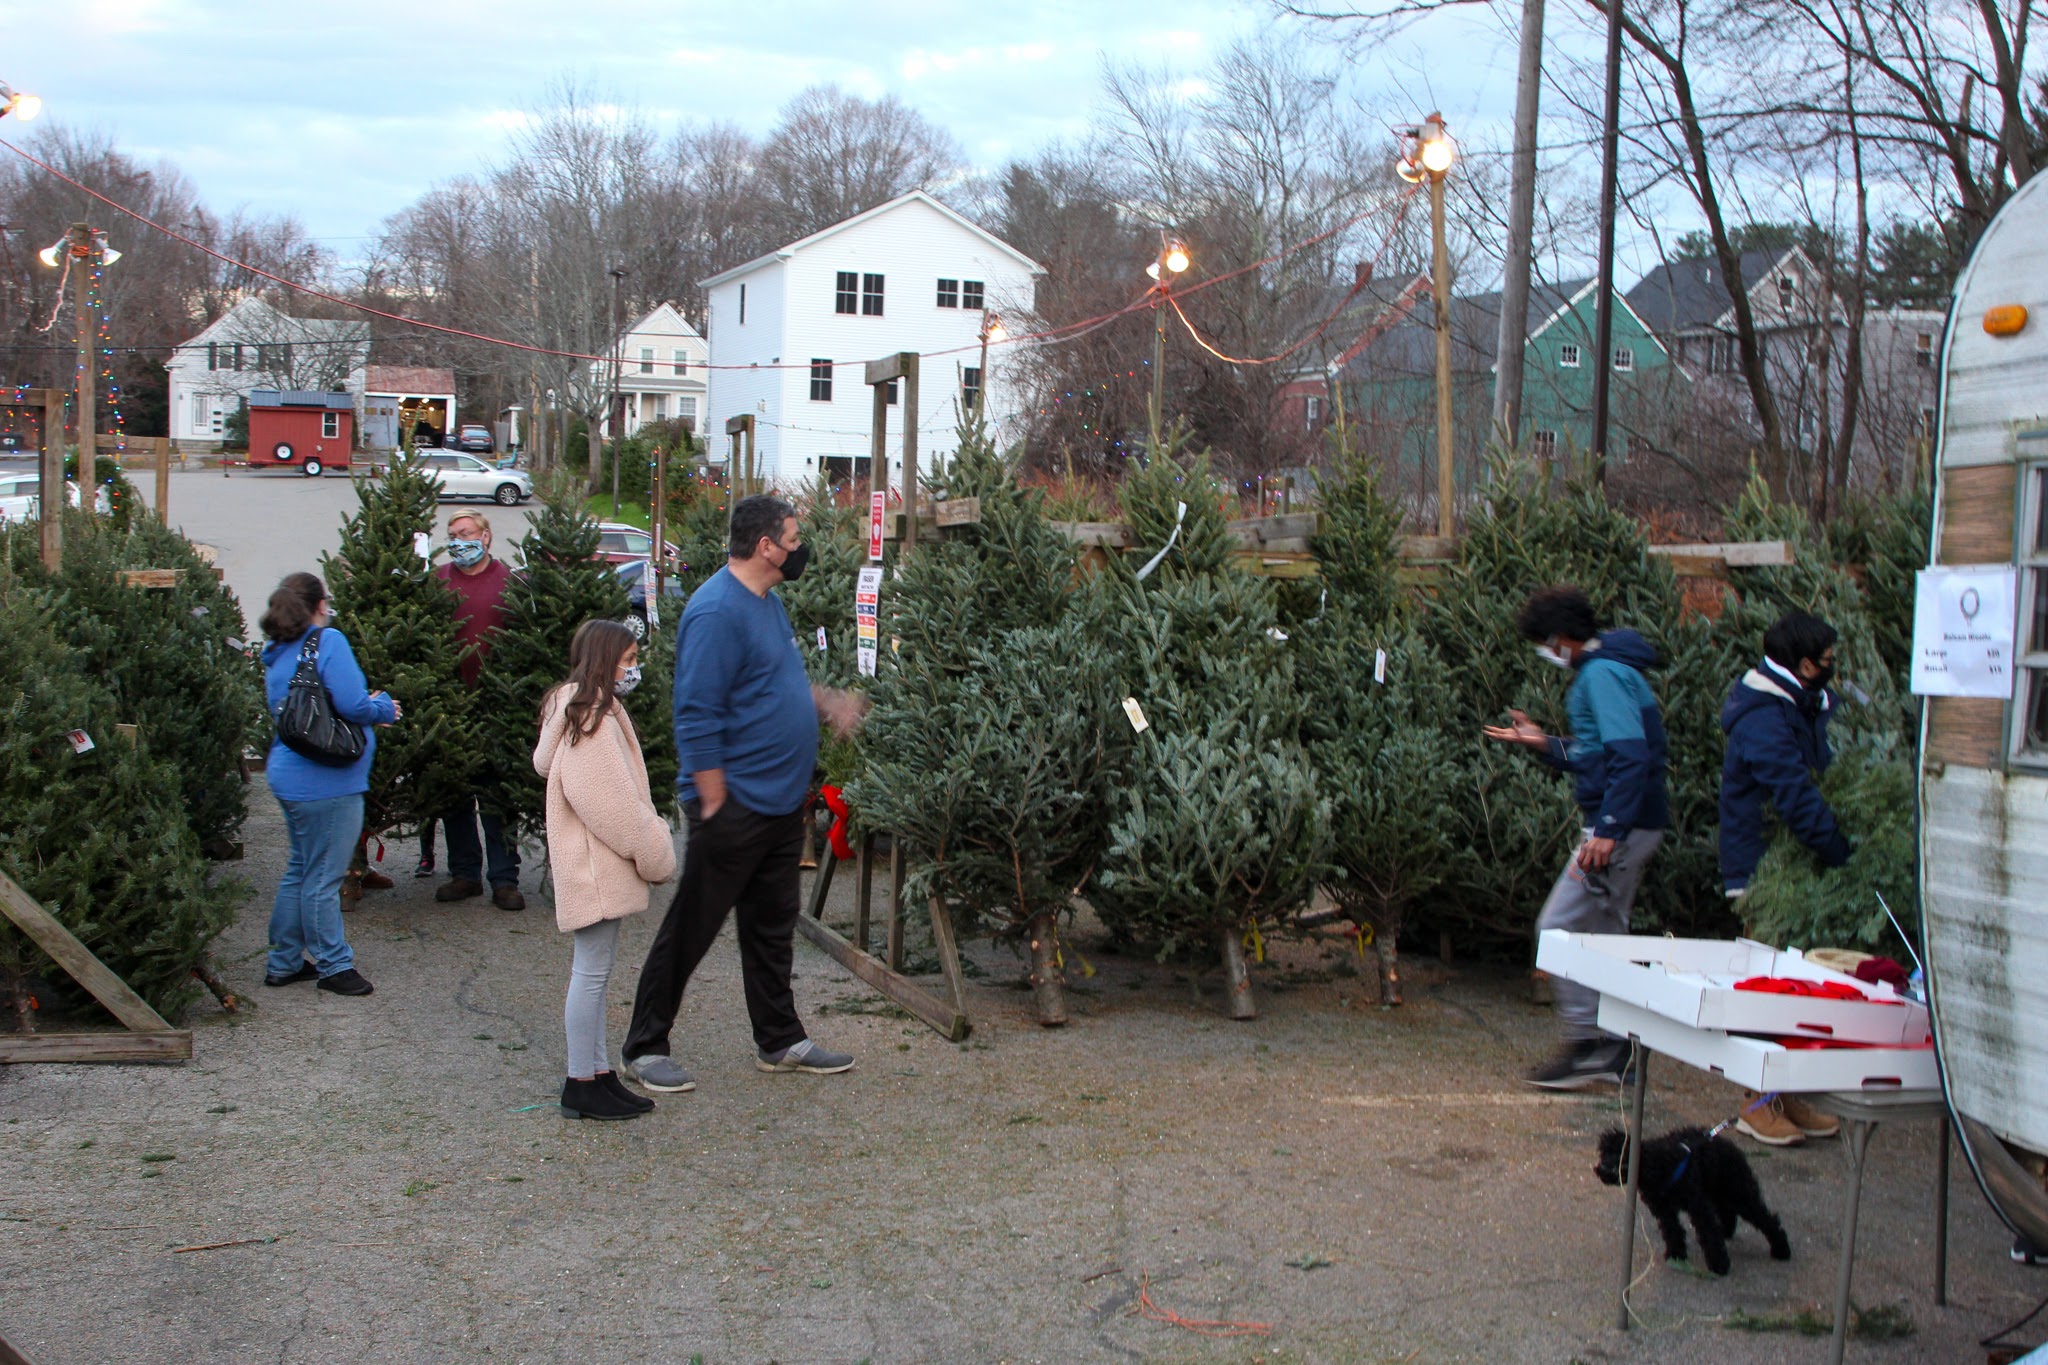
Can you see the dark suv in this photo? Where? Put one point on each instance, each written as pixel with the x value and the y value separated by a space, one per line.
pixel 474 437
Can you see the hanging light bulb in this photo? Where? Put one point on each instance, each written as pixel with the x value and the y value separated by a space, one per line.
pixel 49 254
pixel 1408 171
pixel 23 107
pixel 1434 148
pixel 1177 259
pixel 107 254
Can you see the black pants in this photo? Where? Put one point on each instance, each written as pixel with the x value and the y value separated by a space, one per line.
pixel 737 860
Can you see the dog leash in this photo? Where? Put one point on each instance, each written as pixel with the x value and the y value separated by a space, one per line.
pixel 1716 1131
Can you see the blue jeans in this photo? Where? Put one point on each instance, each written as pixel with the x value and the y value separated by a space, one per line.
pixel 305 921
pixel 466 857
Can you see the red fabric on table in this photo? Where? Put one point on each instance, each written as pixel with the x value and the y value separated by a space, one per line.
pixel 1792 985
pixel 1882 971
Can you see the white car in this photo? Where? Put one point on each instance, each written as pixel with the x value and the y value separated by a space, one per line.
pixel 465 476
pixel 21 496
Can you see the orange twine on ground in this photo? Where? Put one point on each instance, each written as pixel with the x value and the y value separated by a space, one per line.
pixel 1149 1309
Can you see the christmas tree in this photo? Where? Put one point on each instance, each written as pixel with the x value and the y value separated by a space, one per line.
pixel 400 620
pixel 173 659
pixel 558 588
pixel 995 727
pixel 1217 825
pixel 99 837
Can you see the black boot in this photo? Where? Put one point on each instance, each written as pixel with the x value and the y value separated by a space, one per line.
pixel 610 1081
pixel 594 1100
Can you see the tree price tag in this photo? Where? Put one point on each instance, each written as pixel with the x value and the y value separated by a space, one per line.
pixel 821 639
pixel 423 546
pixel 81 742
pixel 1379 665
pixel 867 620
pixel 1137 714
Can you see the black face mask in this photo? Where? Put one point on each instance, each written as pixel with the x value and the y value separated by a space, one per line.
pixel 793 563
pixel 1822 677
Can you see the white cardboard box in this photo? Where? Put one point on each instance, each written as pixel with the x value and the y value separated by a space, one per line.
pixel 1691 981
pixel 1759 1064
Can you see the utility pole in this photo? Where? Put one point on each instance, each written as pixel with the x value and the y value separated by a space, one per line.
pixel 1603 323
pixel 84 250
pixel 1173 259
pixel 616 408
pixel 1514 292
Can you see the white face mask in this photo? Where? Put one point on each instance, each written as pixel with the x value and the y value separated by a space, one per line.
pixel 1553 657
pixel 627 681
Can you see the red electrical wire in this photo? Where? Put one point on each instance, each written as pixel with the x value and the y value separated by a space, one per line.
pixel 1321 327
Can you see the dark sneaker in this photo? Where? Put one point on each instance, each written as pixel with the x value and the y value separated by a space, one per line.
pixel 458 889
pixel 306 972
pixel 424 870
pixel 347 981
pixel 594 1100
pixel 610 1081
pixel 804 1056
pixel 506 897
pixel 657 1072
pixel 1590 1061
pixel 2026 1253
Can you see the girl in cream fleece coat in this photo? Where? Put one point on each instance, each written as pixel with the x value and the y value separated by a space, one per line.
pixel 606 846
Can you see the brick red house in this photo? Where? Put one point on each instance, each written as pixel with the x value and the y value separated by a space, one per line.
pixel 306 430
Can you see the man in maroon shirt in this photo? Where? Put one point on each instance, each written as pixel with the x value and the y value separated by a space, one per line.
pixel 479 580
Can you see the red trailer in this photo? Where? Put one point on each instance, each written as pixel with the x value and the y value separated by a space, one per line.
pixel 296 428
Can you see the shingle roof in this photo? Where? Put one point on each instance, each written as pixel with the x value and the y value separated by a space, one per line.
pixel 1680 296
pixel 1408 349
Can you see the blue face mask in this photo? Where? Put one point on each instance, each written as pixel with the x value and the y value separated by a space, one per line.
pixel 466 554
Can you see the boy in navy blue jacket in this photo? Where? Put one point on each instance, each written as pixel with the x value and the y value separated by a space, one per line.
pixel 1776 720
pixel 1615 754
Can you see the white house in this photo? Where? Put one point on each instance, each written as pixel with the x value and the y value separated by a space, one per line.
pixel 254 346
pixel 908 275
pixel 664 370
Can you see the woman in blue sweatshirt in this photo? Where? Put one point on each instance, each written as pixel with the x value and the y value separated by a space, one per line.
pixel 323 806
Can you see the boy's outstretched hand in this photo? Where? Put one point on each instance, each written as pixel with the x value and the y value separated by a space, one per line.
pixel 1523 731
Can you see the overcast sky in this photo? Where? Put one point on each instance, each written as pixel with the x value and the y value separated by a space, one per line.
pixel 344 113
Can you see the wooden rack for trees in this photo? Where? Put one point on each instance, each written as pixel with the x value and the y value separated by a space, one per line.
pixel 885 974
pixel 148 1037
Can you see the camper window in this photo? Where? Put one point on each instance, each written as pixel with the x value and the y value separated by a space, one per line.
pixel 2031 739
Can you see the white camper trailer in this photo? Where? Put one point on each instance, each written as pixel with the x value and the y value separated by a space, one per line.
pixel 1984 745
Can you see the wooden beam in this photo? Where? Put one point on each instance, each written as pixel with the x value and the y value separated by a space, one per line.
pixel 169 1045
pixel 891 367
pixel 1736 554
pixel 951 1023
pixel 1426 549
pixel 74 957
pixel 1109 535
pixel 1258 532
pixel 148 578
pixel 957 512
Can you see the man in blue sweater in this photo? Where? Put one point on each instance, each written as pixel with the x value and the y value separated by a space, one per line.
pixel 1776 720
pixel 746 721
pixel 1616 756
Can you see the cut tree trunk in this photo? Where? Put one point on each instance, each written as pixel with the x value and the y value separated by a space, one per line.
pixel 1237 977
pixel 1048 985
pixel 1386 948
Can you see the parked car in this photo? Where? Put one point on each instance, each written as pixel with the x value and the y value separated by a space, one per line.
pixel 633 573
pixel 20 496
pixel 617 543
pixel 465 476
pixel 474 436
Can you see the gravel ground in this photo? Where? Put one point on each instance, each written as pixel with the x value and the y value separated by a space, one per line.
pixel 416 1196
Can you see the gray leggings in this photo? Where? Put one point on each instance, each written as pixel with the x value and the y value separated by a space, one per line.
pixel 583 1011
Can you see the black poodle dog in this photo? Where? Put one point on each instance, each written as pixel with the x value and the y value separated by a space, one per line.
pixel 1706 1177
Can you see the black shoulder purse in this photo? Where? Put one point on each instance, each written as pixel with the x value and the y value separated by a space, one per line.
pixel 307 723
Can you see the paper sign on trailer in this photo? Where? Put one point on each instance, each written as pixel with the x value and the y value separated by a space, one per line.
pixel 878 508
pixel 1963 632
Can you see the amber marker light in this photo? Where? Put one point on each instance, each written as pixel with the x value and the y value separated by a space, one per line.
pixel 2006 319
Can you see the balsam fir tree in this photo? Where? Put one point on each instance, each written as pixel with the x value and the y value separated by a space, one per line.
pixel 558 587
pixel 1217 824
pixel 400 620
pixel 995 728
pixel 100 839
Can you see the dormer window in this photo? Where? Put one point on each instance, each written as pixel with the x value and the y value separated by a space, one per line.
pixel 1568 356
pixel 1788 291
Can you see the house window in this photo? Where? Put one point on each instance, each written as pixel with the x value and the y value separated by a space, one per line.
pixel 1624 359
pixel 212 355
pixel 660 407
pixel 846 293
pixel 1312 411
pixel 871 296
pixel 970 386
pixel 1545 445
pixel 821 381
pixel 1568 356
pixel 743 305
pixel 971 294
pixel 949 293
pixel 682 362
pixel 686 408
pixel 647 360
pixel 1788 291
pixel 202 414
pixel 1923 350
pixel 330 425
pixel 2030 739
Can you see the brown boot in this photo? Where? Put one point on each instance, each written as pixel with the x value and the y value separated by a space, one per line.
pixel 1767 1122
pixel 373 880
pixel 1809 1120
pixel 351 890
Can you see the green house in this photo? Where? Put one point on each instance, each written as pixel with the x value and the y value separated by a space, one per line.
pixel 1389 383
